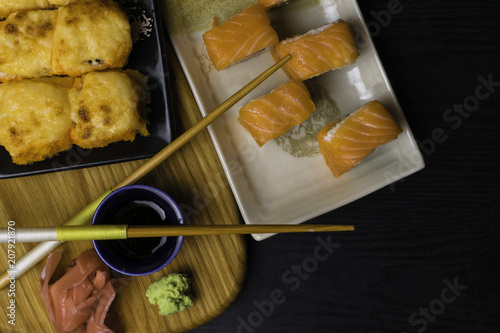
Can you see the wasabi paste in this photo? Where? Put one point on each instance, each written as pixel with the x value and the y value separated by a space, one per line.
pixel 171 293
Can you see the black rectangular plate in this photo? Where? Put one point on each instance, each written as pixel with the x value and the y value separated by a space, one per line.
pixel 148 56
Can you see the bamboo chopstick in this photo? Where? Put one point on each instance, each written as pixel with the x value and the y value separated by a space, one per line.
pixel 40 251
pixel 134 231
pixel 124 231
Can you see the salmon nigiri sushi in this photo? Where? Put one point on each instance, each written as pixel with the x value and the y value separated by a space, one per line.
pixel 347 142
pixel 318 51
pixel 239 37
pixel 274 114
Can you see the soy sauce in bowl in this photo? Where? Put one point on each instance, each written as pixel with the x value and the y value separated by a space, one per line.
pixel 138 205
pixel 142 212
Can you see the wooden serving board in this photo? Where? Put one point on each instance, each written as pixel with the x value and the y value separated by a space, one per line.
pixel 193 177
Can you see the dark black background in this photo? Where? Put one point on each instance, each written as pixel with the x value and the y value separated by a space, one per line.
pixel 440 224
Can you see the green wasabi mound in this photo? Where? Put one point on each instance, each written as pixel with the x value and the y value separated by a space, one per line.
pixel 171 293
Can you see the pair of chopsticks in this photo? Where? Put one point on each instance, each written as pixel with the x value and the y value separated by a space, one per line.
pixel 83 217
pixel 124 231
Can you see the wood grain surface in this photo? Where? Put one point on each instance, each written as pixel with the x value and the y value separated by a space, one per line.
pixel 193 177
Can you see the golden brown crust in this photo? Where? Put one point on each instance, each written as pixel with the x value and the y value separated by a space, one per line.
pixel 42 117
pixel 9 6
pixel 83 36
pixel 26 44
pixel 105 109
pixel 35 120
pixel 90 35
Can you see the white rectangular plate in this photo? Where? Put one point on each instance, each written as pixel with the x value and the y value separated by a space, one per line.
pixel 287 181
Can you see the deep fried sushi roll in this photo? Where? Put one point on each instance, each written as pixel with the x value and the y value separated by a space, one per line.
pixel 26 39
pixel 9 6
pixel 107 107
pixel 90 35
pixel 35 118
pixel 78 38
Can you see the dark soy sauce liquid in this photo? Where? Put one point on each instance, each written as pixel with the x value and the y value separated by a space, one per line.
pixel 140 212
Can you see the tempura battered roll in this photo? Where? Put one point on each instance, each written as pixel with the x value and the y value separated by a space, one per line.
pixel 107 107
pixel 26 40
pixel 318 51
pixel 35 119
pixel 90 35
pixel 10 6
pixel 41 117
pixel 78 38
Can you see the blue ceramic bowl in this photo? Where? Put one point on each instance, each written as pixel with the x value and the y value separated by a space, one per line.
pixel 138 205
